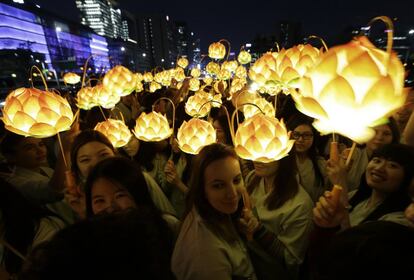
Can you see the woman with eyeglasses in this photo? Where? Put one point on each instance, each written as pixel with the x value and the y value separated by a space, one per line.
pixel 311 166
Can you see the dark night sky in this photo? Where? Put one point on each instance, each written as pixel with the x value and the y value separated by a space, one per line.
pixel 239 23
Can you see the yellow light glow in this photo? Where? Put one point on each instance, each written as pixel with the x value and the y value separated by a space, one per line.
pixel 116 131
pixel 152 127
pixel 194 135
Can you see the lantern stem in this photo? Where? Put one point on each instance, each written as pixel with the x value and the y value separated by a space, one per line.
pixel 103 114
pixel 348 159
pixel 62 151
pixel 172 103
pixel 85 67
pixel 320 39
pixel 229 45
pixel 227 114
pixel 390 32
pixel 41 75
pixel 11 248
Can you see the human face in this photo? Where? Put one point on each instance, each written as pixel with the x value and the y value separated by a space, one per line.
pixel 132 147
pixel 222 179
pixel 110 197
pixel 266 169
pixel 221 135
pixel 383 175
pixel 304 138
pixel 90 154
pixel 31 153
pixel 383 136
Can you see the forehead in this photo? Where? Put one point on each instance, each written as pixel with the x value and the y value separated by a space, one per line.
pixel 29 141
pixel 222 168
pixel 303 128
pixel 383 127
pixel 103 185
pixel 92 148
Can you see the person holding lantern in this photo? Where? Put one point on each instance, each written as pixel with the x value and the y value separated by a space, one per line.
pixel 209 246
pixel 280 221
pixel 90 147
pixel 311 166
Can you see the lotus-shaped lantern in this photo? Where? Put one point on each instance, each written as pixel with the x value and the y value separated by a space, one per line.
pixel 120 80
pixel 195 72
pixel 241 72
pixel 71 78
pixel 182 62
pixel 116 131
pixel 194 135
pixel 230 66
pixel 265 106
pixel 152 127
pixel 194 84
pixel 194 103
pixel 244 57
pixel 36 113
pixel 351 89
pixel 212 68
pixel 263 139
pixel 85 98
pixel 104 97
pixel 264 73
pixel 216 50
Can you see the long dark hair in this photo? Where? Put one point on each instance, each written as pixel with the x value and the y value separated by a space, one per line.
pixel 124 172
pixel 313 153
pixel 21 219
pixel 399 199
pixel 83 138
pixel 197 196
pixel 285 183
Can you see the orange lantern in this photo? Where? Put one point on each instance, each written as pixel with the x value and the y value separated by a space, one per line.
pixel 351 89
pixel 194 103
pixel 36 113
pixel 152 127
pixel 71 78
pixel 217 99
pixel 179 74
pixel 139 87
pixel 85 98
pixel 230 66
pixel 220 86
pixel 163 78
pixel 182 62
pixel 216 50
pixel 237 84
pixel 154 86
pixel 241 72
pixel 104 97
pixel 208 80
pixel 120 80
pixel 194 135
pixel 212 68
pixel 264 73
pixel 223 74
pixel 244 57
pixel 263 139
pixel 116 131
pixel 195 72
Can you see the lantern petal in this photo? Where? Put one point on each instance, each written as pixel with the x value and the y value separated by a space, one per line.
pixel 42 130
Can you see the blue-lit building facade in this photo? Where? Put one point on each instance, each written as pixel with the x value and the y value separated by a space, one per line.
pixel 65 46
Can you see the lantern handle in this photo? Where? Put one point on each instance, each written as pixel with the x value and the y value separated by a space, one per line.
pixel 229 46
pixel 85 67
pixel 41 75
pixel 276 44
pixel 390 33
pixel 172 103
pixel 320 39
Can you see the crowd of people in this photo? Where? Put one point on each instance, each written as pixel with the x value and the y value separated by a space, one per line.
pixel 150 211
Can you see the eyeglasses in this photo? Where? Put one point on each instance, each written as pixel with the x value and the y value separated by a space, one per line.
pixel 306 135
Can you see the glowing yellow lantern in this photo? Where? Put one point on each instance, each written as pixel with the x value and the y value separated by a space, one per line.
pixel 194 135
pixel 182 62
pixel 120 80
pixel 244 57
pixel 154 86
pixel 230 66
pixel 263 139
pixel 85 98
pixel 163 78
pixel 147 77
pixel 139 77
pixel 195 72
pixel 241 72
pixel 351 89
pixel 194 84
pixel 212 68
pixel 116 131
pixel 152 127
pixel 224 74
pixel 139 87
pixel 216 50
pixel 244 96
pixel 71 78
pixel 217 99
pixel 237 84
pixel 264 74
pixel 208 80
pixel 104 97
pixel 36 113
pixel 194 103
